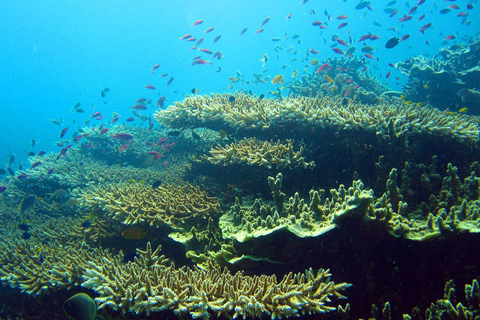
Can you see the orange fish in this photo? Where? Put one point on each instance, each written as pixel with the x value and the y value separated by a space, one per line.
pixel 196 23
pixel 243 31
pixel 322 67
pixel 278 79
pixel 328 78
pixel 259 31
pixel 150 87
pixel 134 233
pixel 341 17
pixel 188 35
pixel 206 51
pixel 122 148
pixel 265 21
pixel 342 25
pixel 154 68
pixel 208 30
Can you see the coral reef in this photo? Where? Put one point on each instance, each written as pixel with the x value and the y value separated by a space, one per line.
pixel 136 203
pixel 259 153
pixel 298 116
pixel 151 284
pixel 449 80
pixel 452 206
pixel 341 77
pixel 41 268
pixel 311 219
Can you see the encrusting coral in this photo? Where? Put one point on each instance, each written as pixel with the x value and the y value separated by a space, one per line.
pixel 299 115
pixel 151 284
pixel 259 153
pixel 135 203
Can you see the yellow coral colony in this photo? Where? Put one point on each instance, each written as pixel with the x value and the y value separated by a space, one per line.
pixel 301 114
pixel 151 284
pixel 260 153
pixel 169 204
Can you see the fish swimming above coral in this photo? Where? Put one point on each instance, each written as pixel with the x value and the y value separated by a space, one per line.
pixel 27 203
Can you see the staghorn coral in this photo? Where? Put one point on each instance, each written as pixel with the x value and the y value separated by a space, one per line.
pixel 150 284
pixel 311 219
pixel 134 203
pixel 449 308
pixel 79 170
pixel 37 268
pixel 299 116
pixel 260 153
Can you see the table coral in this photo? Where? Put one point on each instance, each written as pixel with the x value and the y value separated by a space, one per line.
pixel 300 115
pixel 135 203
pixel 259 153
pixel 303 218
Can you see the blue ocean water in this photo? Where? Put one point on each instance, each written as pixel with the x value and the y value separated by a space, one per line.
pixel 56 53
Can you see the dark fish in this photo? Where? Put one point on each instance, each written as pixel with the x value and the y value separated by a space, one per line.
pixel 86 224
pixel 102 94
pixel 392 43
pixel 196 136
pixel 174 133
pixel 31 153
pixel 23 227
pixel 194 90
pixel 27 203
pixel 260 97
pixel 26 235
pixel 362 5
pixel 106 89
pixel 231 99
pixel 122 136
pixel 11 160
pixel 10 171
pixel 63 132
pixel 3 172
pixel 80 110
pixel 344 102
pixel 78 104
pixel 156 184
pixel 80 307
pixel 445 11
pixel 170 81
pixel 33 143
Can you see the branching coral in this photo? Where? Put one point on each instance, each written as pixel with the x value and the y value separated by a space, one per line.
pixel 260 153
pixel 135 203
pixel 301 115
pixel 42 268
pixel 311 219
pixel 454 206
pixel 150 284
